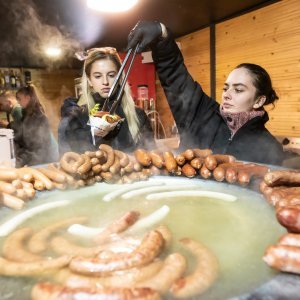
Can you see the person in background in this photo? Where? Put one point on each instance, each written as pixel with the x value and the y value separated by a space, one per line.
pixel 9 105
pixel 237 125
pixel 34 141
pixel 101 66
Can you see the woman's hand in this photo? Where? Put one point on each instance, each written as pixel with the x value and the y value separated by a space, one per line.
pixel 145 33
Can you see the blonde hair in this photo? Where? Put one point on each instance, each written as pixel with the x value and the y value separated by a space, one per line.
pixel 127 100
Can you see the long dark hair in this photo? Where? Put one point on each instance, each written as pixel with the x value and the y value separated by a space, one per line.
pixel 262 82
pixel 34 105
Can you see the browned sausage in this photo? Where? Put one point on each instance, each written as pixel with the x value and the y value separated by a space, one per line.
pixel 69 178
pixel 290 239
pixel 284 258
pixel 97 169
pixel 290 200
pixel 231 175
pixel 157 159
pixel 95 161
pixel 202 153
pixel 282 177
pixel 180 159
pixel 51 291
pixel 91 154
pixel 188 170
pixel 213 160
pixel 243 178
pixel 123 157
pixel 110 156
pixel 204 172
pixel 116 166
pixel 85 166
pixel 219 173
pixel 196 163
pixel 188 154
pixel 170 162
pixel 70 161
pixel 289 217
pixel 143 157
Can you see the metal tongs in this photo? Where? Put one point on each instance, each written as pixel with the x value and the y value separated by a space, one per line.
pixel 118 100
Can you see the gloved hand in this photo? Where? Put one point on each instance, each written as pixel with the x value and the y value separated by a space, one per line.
pixel 145 33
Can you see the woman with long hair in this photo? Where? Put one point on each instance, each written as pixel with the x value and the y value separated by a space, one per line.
pixel 101 66
pixel 34 141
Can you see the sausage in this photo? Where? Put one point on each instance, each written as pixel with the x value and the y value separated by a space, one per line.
pixel 123 157
pixel 219 173
pixel 289 217
pixel 95 161
pixel 85 166
pixel 70 161
pixel 110 156
pixel 51 291
pixel 17 183
pixel 188 170
pixel 7 188
pixel 244 178
pixel 39 185
pixel 282 177
pixel 155 170
pixel 10 268
pixel 30 192
pixel 282 192
pixel 11 201
pixel 204 274
pixel 196 163
pixel 231 175
pixel 129 167
pixel 188 154
pixel 170 162
pixel 174 266
pixel 117 226
pixel 107 176
pixel 143 157
pixel 62 246
pixel 91 154
pixel 14 246
pixel 290 239
pixel 53 175
pixel 116 166
pixel 211 161
pixel 202 153
pixel 146 252
pixel 97 168
pixel 204 172
pixel 283 257
pixel 38 241
pixel 129 278
pixel 8 174
pixel 69 178
pixel 37 175
pixel 290 200
pixel 156 159
pixel 21 194
pixel 180 159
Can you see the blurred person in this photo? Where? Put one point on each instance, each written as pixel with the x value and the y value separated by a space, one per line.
pixel 9 105
pixel 237 125
pixel 101 66
pixel 34 141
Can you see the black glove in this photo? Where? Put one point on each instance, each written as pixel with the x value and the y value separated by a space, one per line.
pixel 145 33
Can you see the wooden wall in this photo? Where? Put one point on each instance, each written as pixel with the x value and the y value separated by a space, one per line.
pixel 270 37
pixel 53 86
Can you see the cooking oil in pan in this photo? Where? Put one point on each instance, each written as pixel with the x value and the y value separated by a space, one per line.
pixel 236 232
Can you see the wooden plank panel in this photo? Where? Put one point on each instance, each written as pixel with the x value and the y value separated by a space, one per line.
pixel 269 37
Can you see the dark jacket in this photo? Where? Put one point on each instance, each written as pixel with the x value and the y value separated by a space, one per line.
pixel 34 141
pixel 74 133
pixel 197 115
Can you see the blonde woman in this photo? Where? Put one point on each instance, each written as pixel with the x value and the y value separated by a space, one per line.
pixel 100 68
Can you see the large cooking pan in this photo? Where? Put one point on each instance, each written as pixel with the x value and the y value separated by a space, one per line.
pixel 237 232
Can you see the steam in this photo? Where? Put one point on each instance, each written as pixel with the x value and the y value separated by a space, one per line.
pixel 32 36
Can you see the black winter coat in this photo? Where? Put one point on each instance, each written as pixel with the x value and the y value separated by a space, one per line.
pixel 197 115
pixel 74 134
pixel 33 140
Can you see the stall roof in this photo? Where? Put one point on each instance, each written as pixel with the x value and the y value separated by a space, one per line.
pixel 26 27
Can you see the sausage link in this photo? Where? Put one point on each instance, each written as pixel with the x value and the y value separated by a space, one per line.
pixel 289 217
pixel 188 170
pixel 53 175
pixel 282 177
pixel 85 166
pixel 180 159
pixel 143 157
pixel 219 173
pixel 7 188
pixel 188 154
pixel 11 201
pixel 202 153
pixel 123 157
pixel 110 156
pixel 170 162
pixel 196 163
pixel 157 159
pixel 205 172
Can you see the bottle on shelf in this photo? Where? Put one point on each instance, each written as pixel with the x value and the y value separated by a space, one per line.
pixel 12 78
pixel 18 80
pixel 27 77
pixel 7 79
pixel 2 80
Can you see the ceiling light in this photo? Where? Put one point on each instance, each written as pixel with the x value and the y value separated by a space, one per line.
pixel 111 5
pixel 53 51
